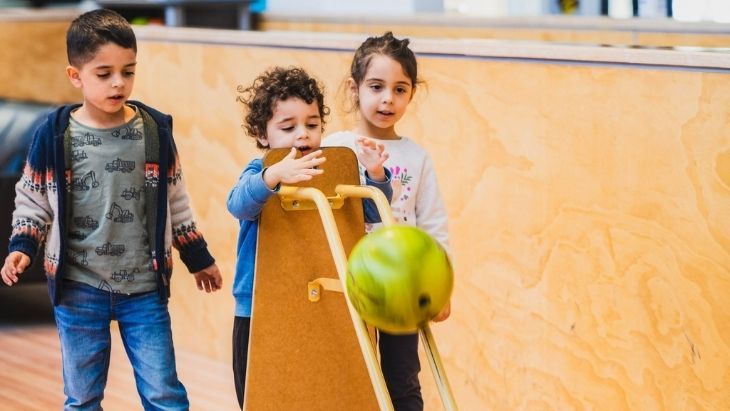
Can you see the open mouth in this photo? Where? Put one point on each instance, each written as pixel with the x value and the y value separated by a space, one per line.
pixel 117 97
pixel 304 150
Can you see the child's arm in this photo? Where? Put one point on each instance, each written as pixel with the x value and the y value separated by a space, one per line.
pixel 443 314
pixel 185 236
pixel 372 156
pixel 431 217
pixel 33 214
pixel 250 193
pixel 256 184
pixel 368 206
pixel 430 210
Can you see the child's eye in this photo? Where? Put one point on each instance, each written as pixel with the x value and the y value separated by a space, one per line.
pixel 375 87
pixel 103 75
pixel 129 74
pixel 287 128
pixel 313 126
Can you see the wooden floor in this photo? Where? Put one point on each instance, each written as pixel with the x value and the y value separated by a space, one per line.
pixel 30 363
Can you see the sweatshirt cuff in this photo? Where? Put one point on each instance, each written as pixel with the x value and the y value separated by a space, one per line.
pixel 25 245
pixel 383 186
pixel 197 257
pixel 260 192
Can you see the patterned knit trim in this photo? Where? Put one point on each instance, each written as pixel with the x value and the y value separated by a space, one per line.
pixel 185 235
pixel 174 172
pixel 50 265
pixel 25 227
pixel 151 175
pixel 167 259
pixel 39 181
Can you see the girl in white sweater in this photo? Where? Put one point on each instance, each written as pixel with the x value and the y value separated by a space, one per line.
pixel 383 80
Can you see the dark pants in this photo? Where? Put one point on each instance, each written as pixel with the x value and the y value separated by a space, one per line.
pixel 400 364
pixel 241 327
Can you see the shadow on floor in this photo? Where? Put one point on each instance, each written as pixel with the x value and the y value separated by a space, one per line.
pixel 25 305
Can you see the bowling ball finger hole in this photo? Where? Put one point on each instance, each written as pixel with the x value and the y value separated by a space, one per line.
pixel 424 301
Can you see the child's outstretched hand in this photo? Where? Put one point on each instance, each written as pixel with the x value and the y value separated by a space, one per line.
pixel 372 156
pixel 443 314
pixel 209 279
pixel 15 264
pixel 292 170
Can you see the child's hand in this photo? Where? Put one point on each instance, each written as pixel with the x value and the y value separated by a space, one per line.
pixel 292 170
pixel 372 156
pixel 15 264
pixel 443 314
pixel 209 279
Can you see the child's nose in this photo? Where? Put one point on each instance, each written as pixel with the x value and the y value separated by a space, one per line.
pixel 117 81
pixel 303 134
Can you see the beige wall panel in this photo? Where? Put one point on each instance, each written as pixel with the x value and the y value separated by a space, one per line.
pixel 683 39
pixel 34 62
pixel 588 233
pixel 537 33
pixel 506 33
pixel 588 210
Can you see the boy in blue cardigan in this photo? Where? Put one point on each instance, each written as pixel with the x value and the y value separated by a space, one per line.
pixel 285 110
pixel 103 187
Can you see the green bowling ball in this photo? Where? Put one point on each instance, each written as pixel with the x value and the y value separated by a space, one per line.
pixel 398 278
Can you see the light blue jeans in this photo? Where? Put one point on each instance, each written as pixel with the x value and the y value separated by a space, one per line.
pixel 83 316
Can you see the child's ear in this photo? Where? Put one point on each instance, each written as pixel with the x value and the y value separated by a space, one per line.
pixel 262 141
pixel 73 76
pixel 352 86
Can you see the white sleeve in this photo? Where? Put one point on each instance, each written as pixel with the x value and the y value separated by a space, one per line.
pixel 340 139
pixel 430 210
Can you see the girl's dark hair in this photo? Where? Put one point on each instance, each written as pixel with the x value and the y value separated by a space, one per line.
pixel 94 29
pixel 389 46
pixel 278 84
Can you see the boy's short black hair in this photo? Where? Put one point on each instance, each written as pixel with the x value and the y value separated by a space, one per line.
pixel 274 85
pixel 94 29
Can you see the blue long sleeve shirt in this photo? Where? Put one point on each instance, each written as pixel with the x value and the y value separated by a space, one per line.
pixel 245 202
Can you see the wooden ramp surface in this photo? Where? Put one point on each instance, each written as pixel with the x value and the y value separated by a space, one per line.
pixel 305 355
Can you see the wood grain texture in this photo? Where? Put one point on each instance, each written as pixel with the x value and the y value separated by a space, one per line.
pixel 305 354
pixel 34 61
pixel 587 219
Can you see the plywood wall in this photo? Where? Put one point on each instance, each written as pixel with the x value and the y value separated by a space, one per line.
pixel 33 61
pixel 588 209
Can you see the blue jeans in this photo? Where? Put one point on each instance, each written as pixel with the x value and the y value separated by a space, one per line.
pixel 83 316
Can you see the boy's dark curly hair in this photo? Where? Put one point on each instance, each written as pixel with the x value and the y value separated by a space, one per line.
pixel 274 85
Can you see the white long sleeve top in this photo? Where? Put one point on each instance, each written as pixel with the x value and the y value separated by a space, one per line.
pixel 416 196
